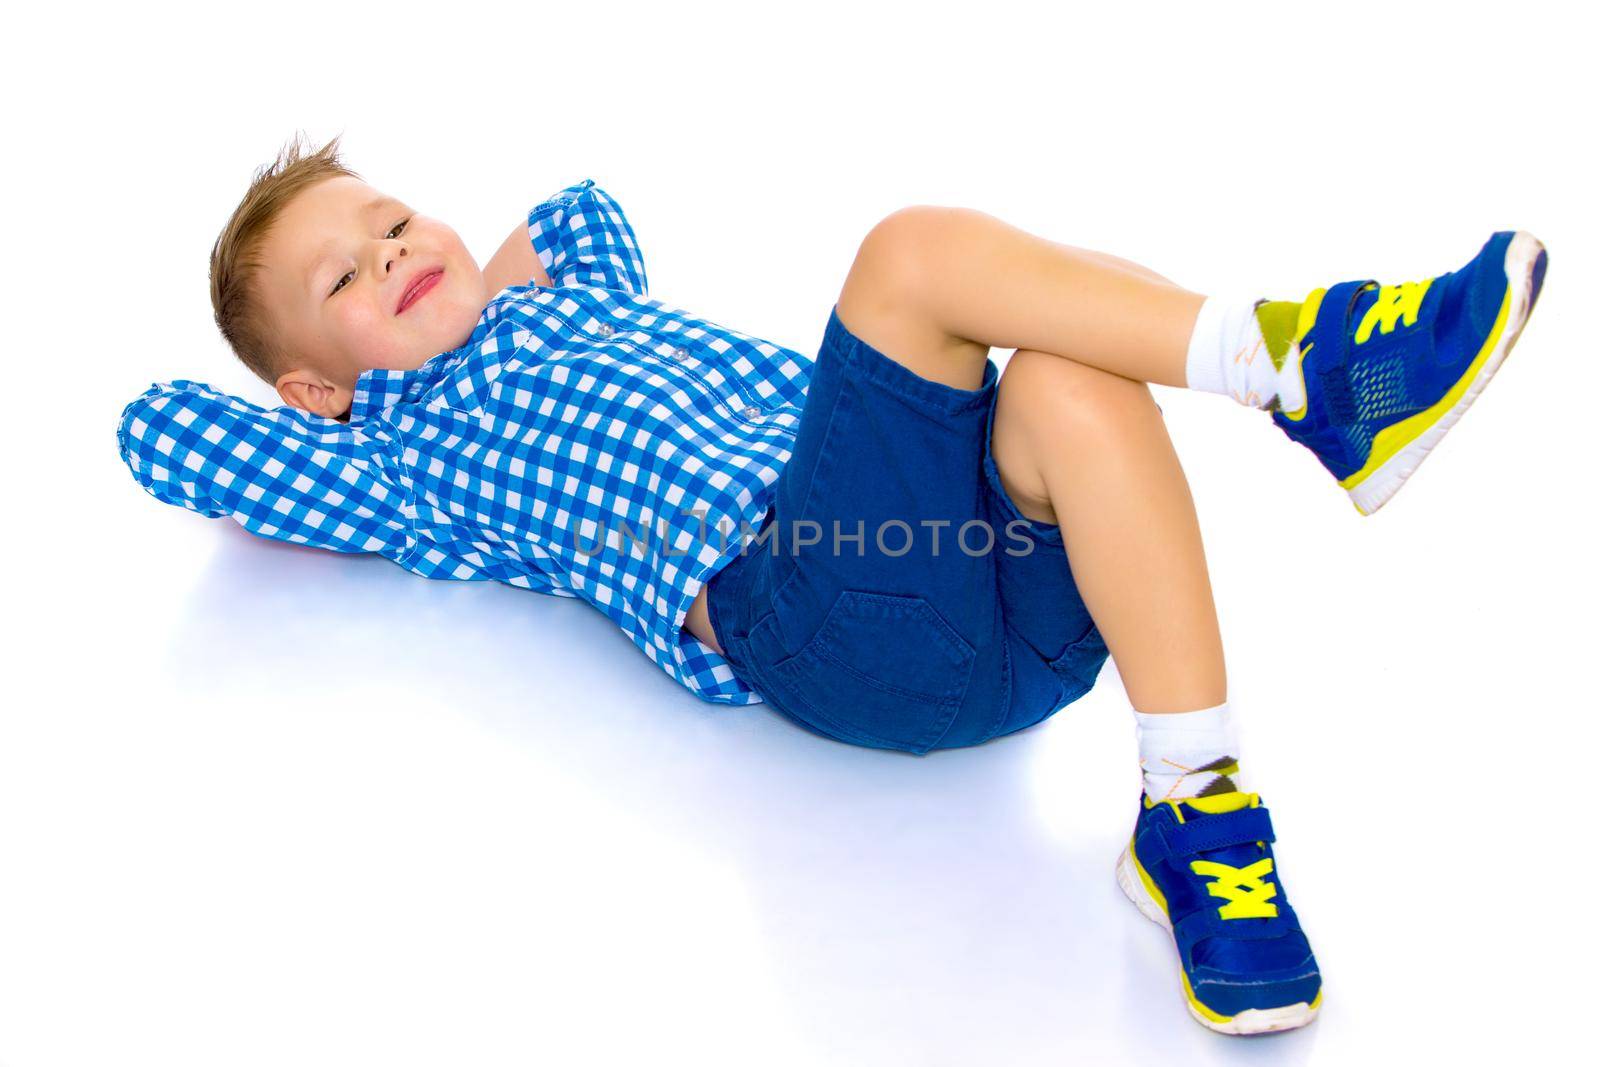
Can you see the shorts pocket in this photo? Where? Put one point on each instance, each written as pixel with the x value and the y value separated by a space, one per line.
pixel 1079 665
pixel 883 670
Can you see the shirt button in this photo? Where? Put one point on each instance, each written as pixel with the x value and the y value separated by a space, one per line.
pixel 680 354
pixel 751 412
pixel 606 329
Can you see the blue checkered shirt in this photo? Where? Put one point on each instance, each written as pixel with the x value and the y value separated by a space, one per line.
pixel 586 441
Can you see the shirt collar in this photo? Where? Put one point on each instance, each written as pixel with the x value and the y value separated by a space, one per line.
pixel 377 390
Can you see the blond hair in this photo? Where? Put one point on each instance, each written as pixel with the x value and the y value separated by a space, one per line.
pixel 236 260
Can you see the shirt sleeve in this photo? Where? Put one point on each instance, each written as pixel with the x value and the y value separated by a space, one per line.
pixel 582 237
pixel 283 473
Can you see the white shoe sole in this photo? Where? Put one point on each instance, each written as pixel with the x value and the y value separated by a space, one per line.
pixel 1376 489
pixel 1249 1021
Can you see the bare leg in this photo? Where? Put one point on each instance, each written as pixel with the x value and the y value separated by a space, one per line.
pixel 963 282
pixel 1077 438
pixel 1089 450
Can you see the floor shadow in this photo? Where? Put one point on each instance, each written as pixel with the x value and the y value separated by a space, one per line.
pixel 958 907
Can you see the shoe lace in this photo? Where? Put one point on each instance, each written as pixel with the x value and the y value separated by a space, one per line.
pixel 1394 303
pixel 1248 896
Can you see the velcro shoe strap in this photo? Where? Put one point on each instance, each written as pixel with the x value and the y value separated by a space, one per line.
pixel 1330 351
pixel 1217 831
pixel 1337 303
pixel 1206 922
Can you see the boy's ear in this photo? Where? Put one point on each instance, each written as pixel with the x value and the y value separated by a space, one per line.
pixel 310 391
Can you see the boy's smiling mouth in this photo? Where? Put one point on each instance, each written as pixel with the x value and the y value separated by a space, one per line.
pixel 420 286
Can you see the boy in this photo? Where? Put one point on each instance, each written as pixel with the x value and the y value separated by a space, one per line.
pixel 896 546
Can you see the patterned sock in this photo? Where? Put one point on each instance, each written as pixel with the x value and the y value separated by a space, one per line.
pixel 1244 348
pixel 1189 753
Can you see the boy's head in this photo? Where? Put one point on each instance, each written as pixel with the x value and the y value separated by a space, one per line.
pixel 309 274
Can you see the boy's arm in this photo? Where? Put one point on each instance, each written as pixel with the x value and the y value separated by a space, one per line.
pixel 581 237
pixel 514 263
pixel 284 473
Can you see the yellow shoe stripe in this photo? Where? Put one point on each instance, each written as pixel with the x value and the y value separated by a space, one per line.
pixel 1391 439
pixel 1194 1002
pixel 1308 318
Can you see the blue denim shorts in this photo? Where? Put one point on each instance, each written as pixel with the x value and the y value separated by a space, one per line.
pixel 895 597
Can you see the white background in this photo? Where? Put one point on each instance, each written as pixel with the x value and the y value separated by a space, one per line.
pixel 264 805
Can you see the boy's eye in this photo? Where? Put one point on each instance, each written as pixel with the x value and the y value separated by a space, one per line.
pixel 400 226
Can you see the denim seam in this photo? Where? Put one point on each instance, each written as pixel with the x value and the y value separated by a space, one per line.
pixel 824 451
pixel 883 369
pixel 822 651
pixel 948 636
pixel 1003 705
pixel 1073 653
pixel 846 733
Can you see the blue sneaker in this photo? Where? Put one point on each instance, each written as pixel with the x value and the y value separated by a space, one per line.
pixel 1203 868
pixel 1389 369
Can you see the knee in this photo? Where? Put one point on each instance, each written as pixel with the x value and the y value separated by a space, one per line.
pixel 1066 395
pixel 902 248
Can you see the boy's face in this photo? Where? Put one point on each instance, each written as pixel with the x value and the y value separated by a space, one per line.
pixel 335 267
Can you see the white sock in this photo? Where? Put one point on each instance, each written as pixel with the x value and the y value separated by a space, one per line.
pixel 1188 753
pixel 1228 355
